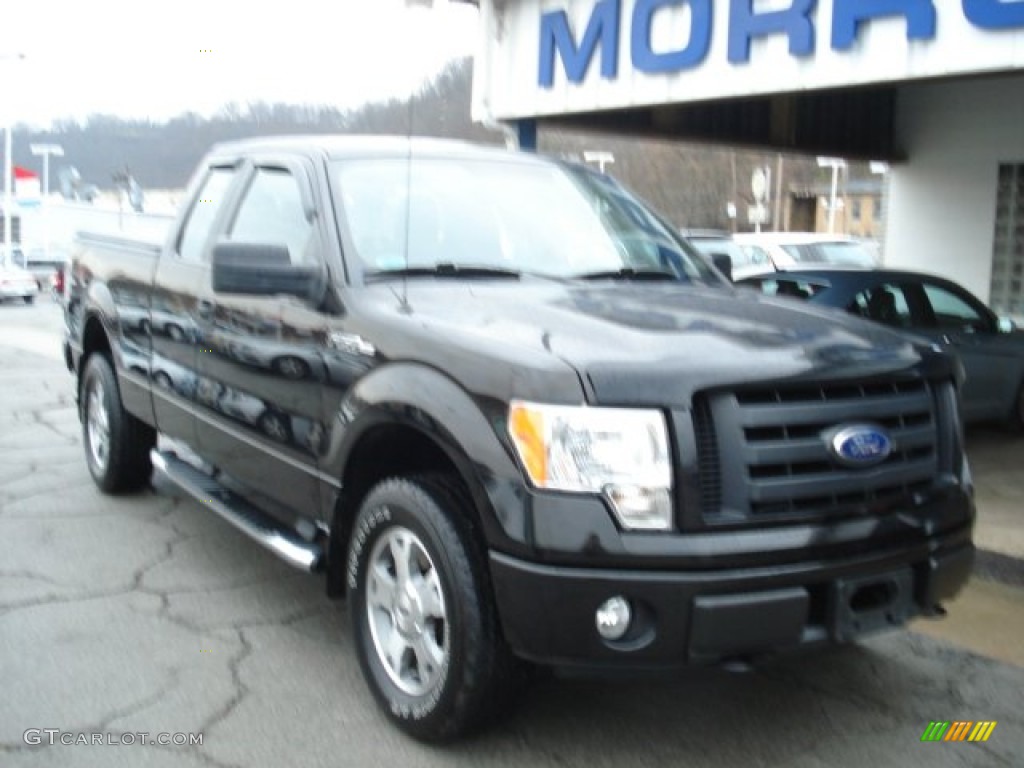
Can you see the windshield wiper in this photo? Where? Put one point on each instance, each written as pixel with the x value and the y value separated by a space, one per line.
pixel 444 269
pixel 629 273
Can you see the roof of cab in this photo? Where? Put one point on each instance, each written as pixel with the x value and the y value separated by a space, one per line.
pixel 354 145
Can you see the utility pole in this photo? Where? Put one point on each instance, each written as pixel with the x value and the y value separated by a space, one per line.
pixel 777 207
pixel 8 167
pixel 46 150
pixel 835 163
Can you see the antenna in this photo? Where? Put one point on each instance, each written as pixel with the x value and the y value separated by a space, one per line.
pixel 404 305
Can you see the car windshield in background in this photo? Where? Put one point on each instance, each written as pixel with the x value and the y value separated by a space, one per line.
pixel 479 218
pixel 839 252
pixel 709 246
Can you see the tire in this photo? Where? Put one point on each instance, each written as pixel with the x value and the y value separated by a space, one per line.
pixel 453 671
pixel 28 299
pixel 276 426
pixel 117 444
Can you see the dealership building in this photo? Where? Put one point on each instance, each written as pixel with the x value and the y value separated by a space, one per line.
pixel 933 87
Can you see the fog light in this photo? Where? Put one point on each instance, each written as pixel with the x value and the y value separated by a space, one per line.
pixel 613 617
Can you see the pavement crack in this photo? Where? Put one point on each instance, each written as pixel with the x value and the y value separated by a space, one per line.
pixel 163 557
pixel 6 748
pixel 241 689
pixel 285 621
pixel 23 574
pixel 20 497
pixel 38 419
pixel 141 705
pixel 45 600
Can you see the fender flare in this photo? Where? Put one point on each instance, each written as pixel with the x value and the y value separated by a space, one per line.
pixel 422 398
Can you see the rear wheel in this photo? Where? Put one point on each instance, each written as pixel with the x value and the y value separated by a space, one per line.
pixel 28 299
pixel 117 444
pixel 291 367
pixel 423 614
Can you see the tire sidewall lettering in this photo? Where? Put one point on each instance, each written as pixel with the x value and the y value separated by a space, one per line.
pixel 400 704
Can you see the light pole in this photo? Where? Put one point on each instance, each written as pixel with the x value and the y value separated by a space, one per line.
pixel 8 167
pixel 46 150
pixel 835 163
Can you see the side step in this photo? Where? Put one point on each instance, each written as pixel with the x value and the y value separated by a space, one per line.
pixel 281 540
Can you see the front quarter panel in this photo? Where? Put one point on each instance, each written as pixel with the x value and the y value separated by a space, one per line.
pixel 465 428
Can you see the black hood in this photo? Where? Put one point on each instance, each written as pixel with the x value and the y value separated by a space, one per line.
pixel 650 343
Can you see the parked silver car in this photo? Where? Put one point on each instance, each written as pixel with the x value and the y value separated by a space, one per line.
pixel 17 283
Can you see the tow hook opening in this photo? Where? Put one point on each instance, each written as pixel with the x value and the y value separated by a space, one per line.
pixel 873 597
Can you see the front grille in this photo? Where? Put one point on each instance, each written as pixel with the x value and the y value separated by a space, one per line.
pixel 763 453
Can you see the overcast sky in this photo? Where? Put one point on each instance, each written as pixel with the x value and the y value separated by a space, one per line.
pixel 159 58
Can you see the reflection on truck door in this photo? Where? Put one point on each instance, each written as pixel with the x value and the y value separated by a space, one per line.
pixel 171 321
pixel 261 364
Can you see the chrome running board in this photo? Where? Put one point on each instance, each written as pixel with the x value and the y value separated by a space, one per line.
pixel 279 539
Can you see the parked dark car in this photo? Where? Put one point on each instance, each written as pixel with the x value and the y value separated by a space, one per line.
pixel 990 347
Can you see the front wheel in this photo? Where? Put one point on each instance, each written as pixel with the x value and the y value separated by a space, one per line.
pixel 423 614
pixel 117 444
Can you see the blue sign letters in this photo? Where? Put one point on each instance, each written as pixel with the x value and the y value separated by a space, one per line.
pixel 849 14
pixel 745 25
pixel 993 14
pixel 555 35
pixel 796 22
pixel 646 60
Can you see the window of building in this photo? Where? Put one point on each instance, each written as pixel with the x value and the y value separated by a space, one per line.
pixel 1006 293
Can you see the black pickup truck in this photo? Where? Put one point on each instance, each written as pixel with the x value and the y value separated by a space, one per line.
pixel 516 419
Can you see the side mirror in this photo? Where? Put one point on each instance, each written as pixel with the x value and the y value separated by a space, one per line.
pixel 261 269
pixel 1006 325
pixel 723 264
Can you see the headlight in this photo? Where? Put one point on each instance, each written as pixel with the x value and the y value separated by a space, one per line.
pixel 621 453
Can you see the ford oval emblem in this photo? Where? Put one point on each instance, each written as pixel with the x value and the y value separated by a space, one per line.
pixel 860 445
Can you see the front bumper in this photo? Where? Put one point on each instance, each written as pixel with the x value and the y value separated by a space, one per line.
pixel 703 616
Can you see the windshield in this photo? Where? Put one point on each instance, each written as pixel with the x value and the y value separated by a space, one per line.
pixel 525 218
pixel 837 252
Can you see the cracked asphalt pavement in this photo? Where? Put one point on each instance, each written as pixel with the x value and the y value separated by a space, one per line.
pixel 147 613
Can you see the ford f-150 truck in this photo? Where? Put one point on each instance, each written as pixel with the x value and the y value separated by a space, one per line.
pixel 516 419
